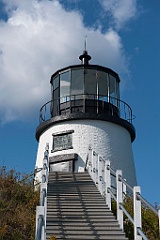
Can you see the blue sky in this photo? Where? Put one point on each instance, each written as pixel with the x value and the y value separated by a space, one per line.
pixel 39 37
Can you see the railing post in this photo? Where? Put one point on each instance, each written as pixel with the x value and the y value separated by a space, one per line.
pixel 40 233
pixel 45 164
pixel 119 198
pixel 103 178
pixel 43 188
pixel 124 189
pixel 137 213
pixel 100 181
pixel 90 161
pixel 44 176
pixel 94 166
pixel 108 183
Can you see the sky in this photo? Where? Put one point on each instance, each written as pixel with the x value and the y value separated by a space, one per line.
pixel 39 37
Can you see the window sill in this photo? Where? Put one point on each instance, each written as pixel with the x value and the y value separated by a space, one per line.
pixel 61 149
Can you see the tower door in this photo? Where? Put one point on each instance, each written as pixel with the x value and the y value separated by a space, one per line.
pixel 62 163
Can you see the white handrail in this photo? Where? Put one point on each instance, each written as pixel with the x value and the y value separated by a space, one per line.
pixel 97 166
pixel 41 210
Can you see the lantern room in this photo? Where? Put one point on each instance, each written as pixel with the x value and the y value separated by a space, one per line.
pixel 85 88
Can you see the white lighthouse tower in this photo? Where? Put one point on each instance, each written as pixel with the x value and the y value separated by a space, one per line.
pixel 85 111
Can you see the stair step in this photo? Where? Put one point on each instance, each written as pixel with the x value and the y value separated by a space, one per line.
pixel 75 237
pixel 79 218
pixel 101 224
pixel 76 209
pixel 81 211
pixel 84 228
pixel 85 232
pixel 95 196
pixel 108 221
pixel 85 236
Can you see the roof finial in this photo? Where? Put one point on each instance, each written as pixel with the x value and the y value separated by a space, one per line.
pixel 85 57
pixel 85 43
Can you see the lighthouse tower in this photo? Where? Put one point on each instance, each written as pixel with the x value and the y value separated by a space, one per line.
pixel 85 111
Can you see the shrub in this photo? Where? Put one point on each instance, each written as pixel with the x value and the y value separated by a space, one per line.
pixel 149 220
pixel 18 202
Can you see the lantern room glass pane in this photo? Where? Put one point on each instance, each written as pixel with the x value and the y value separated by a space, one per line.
pixel 64 86
pixel 102 86
pixel 90 82
pixel 55 96
pixel 77 82
pixel 56 82
pixel 113 90
pixel 112 85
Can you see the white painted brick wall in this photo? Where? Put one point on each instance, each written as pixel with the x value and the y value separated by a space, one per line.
pixel 108 139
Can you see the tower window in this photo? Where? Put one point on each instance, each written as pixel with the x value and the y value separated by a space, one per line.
pixel 62 140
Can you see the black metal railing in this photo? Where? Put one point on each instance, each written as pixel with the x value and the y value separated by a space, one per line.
pixel 86 103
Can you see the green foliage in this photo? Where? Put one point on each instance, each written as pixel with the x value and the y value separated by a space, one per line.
pixel 149 220
pixel 18 202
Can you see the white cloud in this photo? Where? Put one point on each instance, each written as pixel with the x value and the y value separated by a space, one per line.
pixel 38 38
pixel 121 11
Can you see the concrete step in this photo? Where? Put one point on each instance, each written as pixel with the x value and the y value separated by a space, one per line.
pixel 73 198
pixel 75 237
pixel 88 237
pixel 83 235
pixel 99 223
pixel 77 221
pixel 85 215
pixel 73 193
pixel 84 228
pixel 72 188
pixel 85 232
pixel 77 192
pixel 79 218
pixel 78 207
pixel 80 211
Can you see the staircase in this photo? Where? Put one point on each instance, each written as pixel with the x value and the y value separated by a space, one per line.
pixel 76 209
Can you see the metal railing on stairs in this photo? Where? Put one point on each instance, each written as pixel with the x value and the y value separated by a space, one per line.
pixel 42 209
pixel 101 172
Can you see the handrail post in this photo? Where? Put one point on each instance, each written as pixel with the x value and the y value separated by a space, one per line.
pixel 124 189
pixel 96 169
pixel 108 183
pixel 94 166
pixel 43 188
pixel 40 235
pixel 119 198
pixel 137 213
pixel 44 176
pixel 90 161
pixel 100 174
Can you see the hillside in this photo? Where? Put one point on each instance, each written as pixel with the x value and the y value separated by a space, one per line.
pixel 18 202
